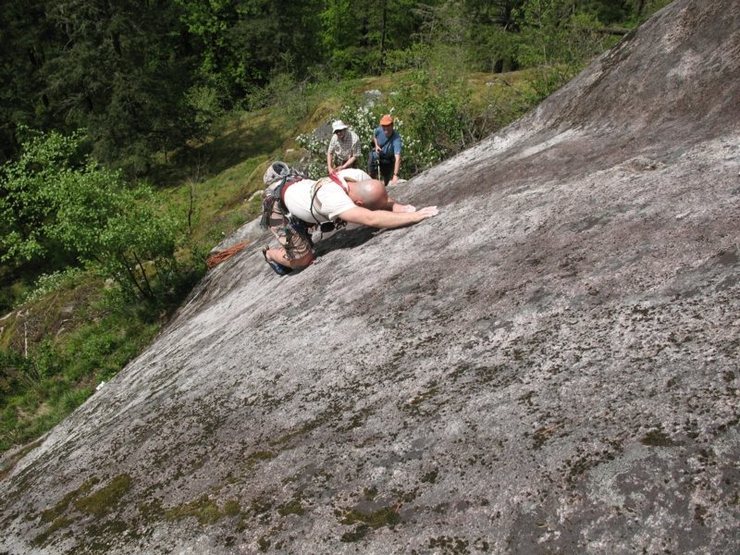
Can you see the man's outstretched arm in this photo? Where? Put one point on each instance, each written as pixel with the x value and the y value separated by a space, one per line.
pixel 387 219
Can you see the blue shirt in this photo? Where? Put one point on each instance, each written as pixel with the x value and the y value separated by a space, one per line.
pixel 389 146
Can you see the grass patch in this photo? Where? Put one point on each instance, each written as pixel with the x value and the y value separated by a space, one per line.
pixel 58 524
pixel 105 499
pixel 76 339
pixel 386 516
pixel 365 522
pixel 97 504
pixel 257 457
pixel 205 510
pixel 293 507
pixel 60 509
pixel 215 206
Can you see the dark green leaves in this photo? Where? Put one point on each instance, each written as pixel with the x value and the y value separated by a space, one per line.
pixel 52 202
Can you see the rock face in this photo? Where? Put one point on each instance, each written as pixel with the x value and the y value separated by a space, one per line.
pixel 548 366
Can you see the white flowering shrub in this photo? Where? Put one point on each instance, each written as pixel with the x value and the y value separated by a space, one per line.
pixel 314 165
pixel 363 121
pixel 48 283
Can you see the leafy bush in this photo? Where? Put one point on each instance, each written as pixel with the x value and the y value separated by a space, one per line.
pixel 437 121
pixel 205 102
pixel 26 191
pixel 55 201
pixel 46 283
pixel 558 42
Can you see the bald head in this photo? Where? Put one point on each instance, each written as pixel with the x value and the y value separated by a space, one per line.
pixel 370 193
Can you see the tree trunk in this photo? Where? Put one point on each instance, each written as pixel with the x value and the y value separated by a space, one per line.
pixel 640 7
pixel 383 24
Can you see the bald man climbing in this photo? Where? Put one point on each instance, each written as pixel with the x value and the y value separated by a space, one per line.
pixel 294 206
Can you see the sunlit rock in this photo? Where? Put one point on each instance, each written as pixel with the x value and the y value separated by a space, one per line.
pixel 548 366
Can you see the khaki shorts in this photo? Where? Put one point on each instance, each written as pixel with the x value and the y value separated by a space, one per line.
pixel 293 238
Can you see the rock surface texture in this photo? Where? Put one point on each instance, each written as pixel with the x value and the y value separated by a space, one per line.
pixel 548 366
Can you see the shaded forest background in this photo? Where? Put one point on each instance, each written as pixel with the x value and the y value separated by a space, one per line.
pixel 146 77
pixel 133 134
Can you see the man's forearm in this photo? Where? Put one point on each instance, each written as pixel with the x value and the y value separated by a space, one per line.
pixel 386 219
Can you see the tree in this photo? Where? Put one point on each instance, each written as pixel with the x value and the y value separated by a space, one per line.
pixel 241 43
pixel 358 36
pixel 26 41
pixel 26 199
pixel 55 200
pixel 122 73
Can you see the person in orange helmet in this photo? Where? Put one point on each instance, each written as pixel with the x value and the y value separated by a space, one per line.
pixel 385 158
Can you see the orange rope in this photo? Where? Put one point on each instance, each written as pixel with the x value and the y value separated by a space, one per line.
pixel 216 258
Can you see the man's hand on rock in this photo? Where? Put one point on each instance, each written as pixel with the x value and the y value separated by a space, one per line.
pixel 404 208
pixel 427 212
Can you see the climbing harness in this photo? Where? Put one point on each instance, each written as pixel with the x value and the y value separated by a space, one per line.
pixel 326 227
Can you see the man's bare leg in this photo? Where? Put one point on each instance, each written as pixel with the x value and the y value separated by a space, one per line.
pixel 278 255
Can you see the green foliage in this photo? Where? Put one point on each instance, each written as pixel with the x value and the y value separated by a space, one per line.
pixel 554 32
pixel 121 71
pixel 17 372
pixel 357 36
pixel 241 44
pixel 26 197
pixel 314 163
pixel 557 40
pixel 283 92
pixel 434 118
pixel 24 42
pixel 206 104
pixel 39 388
pixel 494 49
pixel 47 283
pixel 53 200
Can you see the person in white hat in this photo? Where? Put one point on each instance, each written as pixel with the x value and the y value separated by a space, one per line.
pixel 344 148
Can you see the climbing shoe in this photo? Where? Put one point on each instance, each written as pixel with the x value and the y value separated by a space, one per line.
pixel 278 268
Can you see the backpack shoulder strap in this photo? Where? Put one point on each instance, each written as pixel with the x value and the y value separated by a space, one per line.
pixel 339 181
